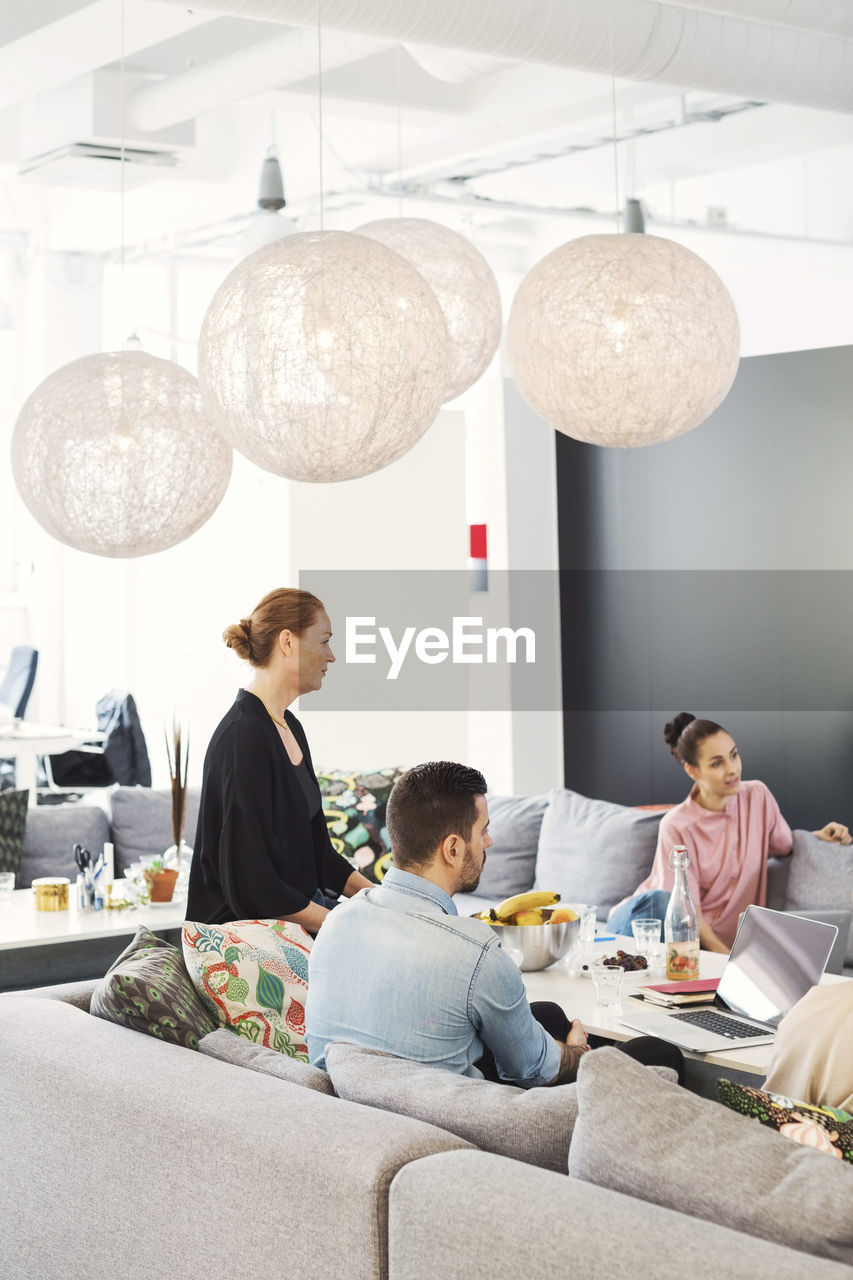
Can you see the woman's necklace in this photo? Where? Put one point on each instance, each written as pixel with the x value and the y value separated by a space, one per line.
pixel 281 723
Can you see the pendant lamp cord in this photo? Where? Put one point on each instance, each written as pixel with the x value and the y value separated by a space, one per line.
pixel 122 107
pixel 399 132
pixel 615 130
pixel 320 105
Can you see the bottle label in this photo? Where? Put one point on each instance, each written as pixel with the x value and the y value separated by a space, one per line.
pixel 682 960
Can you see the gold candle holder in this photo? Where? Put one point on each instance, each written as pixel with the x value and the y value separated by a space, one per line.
pixel 51 893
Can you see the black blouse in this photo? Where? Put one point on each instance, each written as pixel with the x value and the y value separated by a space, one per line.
pixel 261 850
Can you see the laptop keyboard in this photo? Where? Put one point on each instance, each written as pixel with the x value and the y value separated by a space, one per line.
pixel 719 1023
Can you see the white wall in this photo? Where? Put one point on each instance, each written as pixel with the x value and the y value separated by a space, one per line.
pixel 410 516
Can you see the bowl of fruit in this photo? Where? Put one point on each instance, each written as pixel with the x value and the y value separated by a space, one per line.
pixel 535 926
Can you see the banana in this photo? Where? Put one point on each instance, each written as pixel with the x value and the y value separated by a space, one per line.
pixel 526 901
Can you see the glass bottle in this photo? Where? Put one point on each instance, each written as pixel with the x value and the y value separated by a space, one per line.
pixel 681 926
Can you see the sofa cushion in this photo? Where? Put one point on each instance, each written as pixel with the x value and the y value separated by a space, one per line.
pixel 821 876
pixel 514 825
pixel 13 824
pixel 472 1214
pixel 51 834
pixel 354 804
pixel 533 1125
pixel 824 1128
pixel 148 989
pixel 643 1137
pixel 142 823
pixel 228 1047
pixel 594 851
pixel 252 975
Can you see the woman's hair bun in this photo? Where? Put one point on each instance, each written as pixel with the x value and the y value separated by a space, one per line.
pixel 237 638
pixel 673 731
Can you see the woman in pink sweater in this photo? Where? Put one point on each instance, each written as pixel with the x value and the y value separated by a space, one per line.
pixel 729 828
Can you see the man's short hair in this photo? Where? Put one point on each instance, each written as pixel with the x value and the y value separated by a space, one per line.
pixel 428 804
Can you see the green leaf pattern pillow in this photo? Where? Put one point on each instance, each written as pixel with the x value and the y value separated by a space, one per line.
pixel 252 976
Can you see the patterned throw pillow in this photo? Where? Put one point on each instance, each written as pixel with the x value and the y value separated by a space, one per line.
pixel 825 1128
pixel 13 823
pixel 354 805
pixel 252 976
pixel 148 989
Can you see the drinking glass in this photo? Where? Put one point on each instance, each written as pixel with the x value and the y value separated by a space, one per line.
pixel 582 949
pixel 608 985
pixel 647 936
pixel 7 884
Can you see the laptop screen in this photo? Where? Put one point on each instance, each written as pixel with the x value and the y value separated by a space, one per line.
pixel 775 959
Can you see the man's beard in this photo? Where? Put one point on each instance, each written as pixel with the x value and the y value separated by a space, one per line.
pixel 470 872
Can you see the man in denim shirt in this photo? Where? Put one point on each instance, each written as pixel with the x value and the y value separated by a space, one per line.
pixel 396 968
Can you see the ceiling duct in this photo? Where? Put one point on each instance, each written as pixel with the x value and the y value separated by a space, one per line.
pixel 271 64
pixel 831 17
pixel 637 39
pixel 282 60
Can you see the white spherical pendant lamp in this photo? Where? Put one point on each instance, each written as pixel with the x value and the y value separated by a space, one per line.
pixel 114 454
pixel 464 284
pixel 323 356
pixel 623 340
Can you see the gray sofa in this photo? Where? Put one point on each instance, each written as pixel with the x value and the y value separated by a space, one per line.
pixel 138 821
pixel 596 852
pixel 126 1156
pixel 588 850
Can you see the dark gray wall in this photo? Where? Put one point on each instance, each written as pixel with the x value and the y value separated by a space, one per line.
pixel 714 574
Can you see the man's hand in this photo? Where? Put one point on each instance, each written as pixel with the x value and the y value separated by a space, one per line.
pixel 834 833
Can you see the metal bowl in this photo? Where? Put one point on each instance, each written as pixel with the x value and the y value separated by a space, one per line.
pixel 540 945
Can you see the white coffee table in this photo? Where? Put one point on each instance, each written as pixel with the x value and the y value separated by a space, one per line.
pixel 22 926
pixel 40 947
pixel 576 997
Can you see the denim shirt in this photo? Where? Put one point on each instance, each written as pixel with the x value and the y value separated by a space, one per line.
pixel 396 968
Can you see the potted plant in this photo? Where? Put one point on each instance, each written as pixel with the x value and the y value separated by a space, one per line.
pixel 179 855
pixel 160 880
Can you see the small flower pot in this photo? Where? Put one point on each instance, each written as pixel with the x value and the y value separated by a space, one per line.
pixel 161 884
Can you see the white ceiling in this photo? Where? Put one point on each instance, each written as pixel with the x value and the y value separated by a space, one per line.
pixel 769 167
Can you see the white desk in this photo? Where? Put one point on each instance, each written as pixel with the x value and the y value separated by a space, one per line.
pixel 25 742
pixel 576 997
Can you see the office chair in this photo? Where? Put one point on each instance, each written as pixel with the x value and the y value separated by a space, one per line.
pixel 15 690
pixel 17 684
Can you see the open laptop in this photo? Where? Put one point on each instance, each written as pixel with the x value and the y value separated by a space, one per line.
pixel 775 959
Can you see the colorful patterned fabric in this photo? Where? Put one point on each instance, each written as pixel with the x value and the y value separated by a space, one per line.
pixel 252 976
pixel 824 1128
pixel 354 805
pixel 148 989
pixel 13 823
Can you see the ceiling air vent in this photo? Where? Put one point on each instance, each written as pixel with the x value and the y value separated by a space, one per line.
pixel 95 164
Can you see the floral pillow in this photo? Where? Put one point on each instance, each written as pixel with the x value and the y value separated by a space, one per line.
pixel 824 1128
pixel 252 976
pixel 354 805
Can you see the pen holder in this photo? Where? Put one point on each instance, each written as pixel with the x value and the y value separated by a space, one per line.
pixel 90 897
